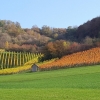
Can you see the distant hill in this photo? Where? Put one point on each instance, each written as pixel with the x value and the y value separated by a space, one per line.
pixel 90 28
pixel 49 39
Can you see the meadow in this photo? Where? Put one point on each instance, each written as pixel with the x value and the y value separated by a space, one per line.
pixel 82 83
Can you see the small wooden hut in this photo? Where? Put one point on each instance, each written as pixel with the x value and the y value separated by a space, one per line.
pixel 34 68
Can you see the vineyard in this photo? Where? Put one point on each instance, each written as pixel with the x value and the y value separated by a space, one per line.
pixel 17 61
pixel 12 62
pixel 88 57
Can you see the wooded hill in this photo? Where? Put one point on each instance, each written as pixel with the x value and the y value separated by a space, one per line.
pixel 54 42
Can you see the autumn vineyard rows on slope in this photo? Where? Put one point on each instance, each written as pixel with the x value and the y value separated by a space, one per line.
pixel 88 57
pixel 13 59
pixel 16 62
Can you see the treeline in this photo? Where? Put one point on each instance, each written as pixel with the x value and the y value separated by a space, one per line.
pixel 60 48
pixel 90 28
pixel 54 42
pixel 13 33
pixel 13 37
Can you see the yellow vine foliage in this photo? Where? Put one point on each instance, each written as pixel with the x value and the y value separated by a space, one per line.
pixel 25 67
pixel 14 70
pixel 88 57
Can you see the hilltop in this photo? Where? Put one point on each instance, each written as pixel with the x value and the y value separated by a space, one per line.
pixel 49 40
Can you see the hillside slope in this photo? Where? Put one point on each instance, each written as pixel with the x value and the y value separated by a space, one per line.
pixel 88 57
pixel 90 28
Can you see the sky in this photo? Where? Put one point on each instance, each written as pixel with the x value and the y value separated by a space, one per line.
pixel 53 13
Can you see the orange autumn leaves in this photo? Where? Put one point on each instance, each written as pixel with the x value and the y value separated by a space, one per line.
pixel 87 57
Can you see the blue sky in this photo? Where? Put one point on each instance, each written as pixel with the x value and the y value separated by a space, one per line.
pixel 53 13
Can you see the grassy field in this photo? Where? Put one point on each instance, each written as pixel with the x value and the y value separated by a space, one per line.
pixel 82 83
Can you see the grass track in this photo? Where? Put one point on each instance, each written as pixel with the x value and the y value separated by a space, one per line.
pixel 81 83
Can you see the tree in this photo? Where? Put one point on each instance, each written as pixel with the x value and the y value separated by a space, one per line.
pixel 56 49
pixel 55 35
pixel 46 30
pixel 88 41
pixel 18 25
pixel 35 28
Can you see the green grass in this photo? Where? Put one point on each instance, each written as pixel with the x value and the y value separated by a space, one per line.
pixel 82 83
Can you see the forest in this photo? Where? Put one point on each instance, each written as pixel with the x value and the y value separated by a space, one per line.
pixel 53 42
